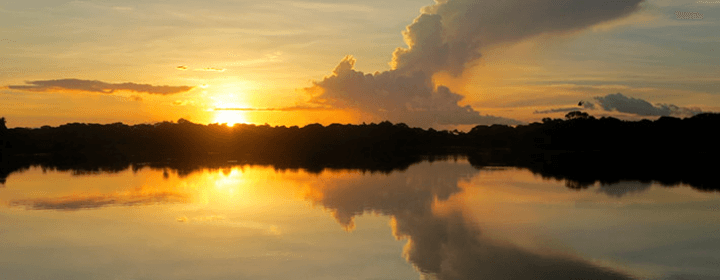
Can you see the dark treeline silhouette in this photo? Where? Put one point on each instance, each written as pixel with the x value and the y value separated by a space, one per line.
pixel 580 148
pixel 331 146
pixel 583 150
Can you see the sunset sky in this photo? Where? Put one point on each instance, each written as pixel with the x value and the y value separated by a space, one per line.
pixel 445 64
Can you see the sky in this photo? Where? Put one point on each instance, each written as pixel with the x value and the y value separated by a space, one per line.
pixel 444 64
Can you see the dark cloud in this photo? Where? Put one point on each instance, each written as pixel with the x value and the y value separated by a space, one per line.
pixel 447 37
pixel 444 245
pixel 92 202
pixel 620 103
pixel 96 86
pixel 586 105
pixel 181 67
pixel 624 104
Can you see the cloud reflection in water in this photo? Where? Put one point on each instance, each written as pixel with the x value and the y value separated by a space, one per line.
pixel 80 202
pixel 444 245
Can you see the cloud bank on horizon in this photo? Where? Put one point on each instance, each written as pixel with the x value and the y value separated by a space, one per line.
pixel 447 37
pixel 96 87
pixel 618 102
pixel 624 104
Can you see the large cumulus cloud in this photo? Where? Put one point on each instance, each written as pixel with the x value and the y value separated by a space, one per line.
pixel 446 37
pixel 409 98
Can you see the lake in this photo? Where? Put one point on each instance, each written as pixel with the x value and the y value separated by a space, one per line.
pixel 433 220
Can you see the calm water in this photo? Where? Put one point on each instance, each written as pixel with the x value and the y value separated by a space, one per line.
pixel 440 220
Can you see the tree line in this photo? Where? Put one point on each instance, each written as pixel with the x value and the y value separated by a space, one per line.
pixel 577 145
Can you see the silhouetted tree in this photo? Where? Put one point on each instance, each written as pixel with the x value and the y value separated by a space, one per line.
pixel 574 115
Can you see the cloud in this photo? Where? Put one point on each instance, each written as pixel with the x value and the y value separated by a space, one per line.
pixel 624 104
pixel 81 202
pixel 330 7
pixel 207 69
pixel 443 244
pixel 281 109
pixel 447 37
pixel 390 95
pixel 449 34
pixel 96 86
pixel 183 102
pixel 211 69
pixel 620 103
pixel 211 218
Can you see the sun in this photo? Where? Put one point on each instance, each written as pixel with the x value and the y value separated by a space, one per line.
pixel 230 117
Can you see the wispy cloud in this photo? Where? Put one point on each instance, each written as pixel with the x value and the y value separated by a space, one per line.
pixel 581 105
pixel 182 102
pixel 96 87
pixel 211 69
pixel 181 67
pixel 282 109
pixel 330 7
